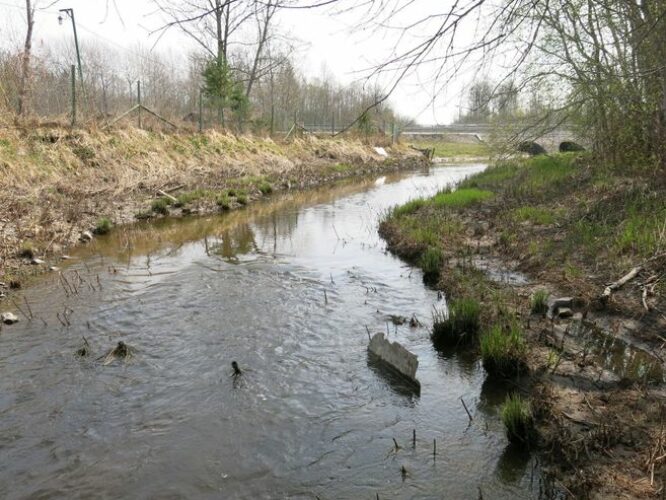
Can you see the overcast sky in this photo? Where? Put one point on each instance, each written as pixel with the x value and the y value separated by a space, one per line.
pixel 327 40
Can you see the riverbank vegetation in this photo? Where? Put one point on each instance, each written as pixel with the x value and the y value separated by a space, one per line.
pixel 59 183
pixel 571 225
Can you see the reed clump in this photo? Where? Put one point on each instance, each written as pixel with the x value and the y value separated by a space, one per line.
pixel 459 325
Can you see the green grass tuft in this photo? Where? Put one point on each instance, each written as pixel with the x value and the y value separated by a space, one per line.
pixel 516 415
pixel 535 215
pixel 224 202
pixel 503 352
pixel 103 226
pixel 460 198
pixel 539 302
pixel 460 326
pixel 408 208
pixel 430 263
pixel 161 206
pixel 265 188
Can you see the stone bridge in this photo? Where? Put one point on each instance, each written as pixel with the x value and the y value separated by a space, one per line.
pixel 483 132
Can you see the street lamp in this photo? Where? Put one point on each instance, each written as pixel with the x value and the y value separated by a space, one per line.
pixel 70 13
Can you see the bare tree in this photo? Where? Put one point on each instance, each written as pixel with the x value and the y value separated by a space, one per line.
pixel 24 84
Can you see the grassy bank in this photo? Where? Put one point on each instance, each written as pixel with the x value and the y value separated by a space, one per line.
pixel 572 227
pixel 58 184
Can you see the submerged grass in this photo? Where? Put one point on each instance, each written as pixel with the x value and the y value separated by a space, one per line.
pixel 460 325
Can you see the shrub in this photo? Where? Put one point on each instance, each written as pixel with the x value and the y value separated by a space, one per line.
pixel 460 326
pixel 241 198
pixel 539 302
pixel 503 352
pixel 103 226
pixel 518 422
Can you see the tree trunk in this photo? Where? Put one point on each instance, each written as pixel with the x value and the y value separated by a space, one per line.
pixel 24 84
pixel 264 24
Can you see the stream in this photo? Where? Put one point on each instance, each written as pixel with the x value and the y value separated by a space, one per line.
pixel 286 288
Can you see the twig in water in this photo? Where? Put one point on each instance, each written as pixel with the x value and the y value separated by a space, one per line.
pixel 434 447
pixel 397 446
pixel 20 310
pixel 325 297
pixel 25 299
pixel 414 438
pixel 465 406
pixel 368 330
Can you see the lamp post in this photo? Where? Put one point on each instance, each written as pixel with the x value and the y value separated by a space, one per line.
pixel 70 13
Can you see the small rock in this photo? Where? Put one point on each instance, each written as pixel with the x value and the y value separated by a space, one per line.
pixel 560 303
pixel 66 257
pixel 578 316
pixel 37 262
pixel 54 268
pixel 9 318
pixel 86 236
pixel 564 312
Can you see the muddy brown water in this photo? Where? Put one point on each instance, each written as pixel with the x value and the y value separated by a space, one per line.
pixel 285 288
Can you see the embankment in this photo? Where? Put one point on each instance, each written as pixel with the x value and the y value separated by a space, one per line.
pixel 523 233
pixel 59 184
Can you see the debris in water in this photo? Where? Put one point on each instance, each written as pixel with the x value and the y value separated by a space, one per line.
pixel 395 355
pixel 9 318
pixel 84 350
pixel 237 370
pixel 397 320
pixel 414 322
pixel 121 351
pixel 403 472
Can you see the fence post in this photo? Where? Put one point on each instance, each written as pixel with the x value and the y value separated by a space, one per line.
pixel 200 110
pixel 73 96
pixel 138 96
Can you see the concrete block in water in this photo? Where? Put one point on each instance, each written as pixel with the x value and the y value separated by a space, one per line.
pixel 395 355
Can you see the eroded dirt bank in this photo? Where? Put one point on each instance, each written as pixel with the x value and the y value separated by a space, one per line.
pixel 60 187
pixel 524 233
